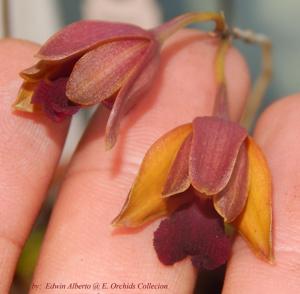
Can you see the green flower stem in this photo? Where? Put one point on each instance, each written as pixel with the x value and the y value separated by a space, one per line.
pixel 221 104
pixel 220 60
pixel 167 29
pixel 261 84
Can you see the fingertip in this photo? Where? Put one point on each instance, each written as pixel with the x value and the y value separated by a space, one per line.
pixel 30 148
pixel 278 116
pixel 17 54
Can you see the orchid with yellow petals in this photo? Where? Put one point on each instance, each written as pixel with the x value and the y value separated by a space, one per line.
pixel 203 176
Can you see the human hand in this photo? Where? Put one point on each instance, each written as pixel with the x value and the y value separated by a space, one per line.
pixel 80 246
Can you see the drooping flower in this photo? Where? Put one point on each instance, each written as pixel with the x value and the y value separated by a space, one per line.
pixel 203 175
pixel 209 160
pixel 90 62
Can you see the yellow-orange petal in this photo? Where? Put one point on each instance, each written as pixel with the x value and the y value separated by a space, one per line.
pixel 145 201
pixel 255 223
pixel 23 100
pixel 178 179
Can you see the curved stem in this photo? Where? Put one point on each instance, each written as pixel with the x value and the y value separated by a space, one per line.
pixel 221 104
pixel 263 80
pixel 165 30
pixel 220 60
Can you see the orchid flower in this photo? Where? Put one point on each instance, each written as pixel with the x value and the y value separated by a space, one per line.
pixel 203 176
pixel 90 62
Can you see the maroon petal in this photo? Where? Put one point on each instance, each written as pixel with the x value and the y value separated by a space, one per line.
pixel 215 146
pixel 51 95
pixel 139 88
pixel 124 100
pixel 101 72
pixel 231 201
pixel 197 231
pixel 84 35
pixel 178 179
pixel 144 80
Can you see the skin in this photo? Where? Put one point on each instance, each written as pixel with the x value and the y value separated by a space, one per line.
pixel 80 245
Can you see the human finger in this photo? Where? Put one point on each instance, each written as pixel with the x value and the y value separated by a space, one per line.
pixel 30 146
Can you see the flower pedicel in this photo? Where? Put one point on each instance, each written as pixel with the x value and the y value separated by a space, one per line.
pixel 91 62
pixel 203 175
